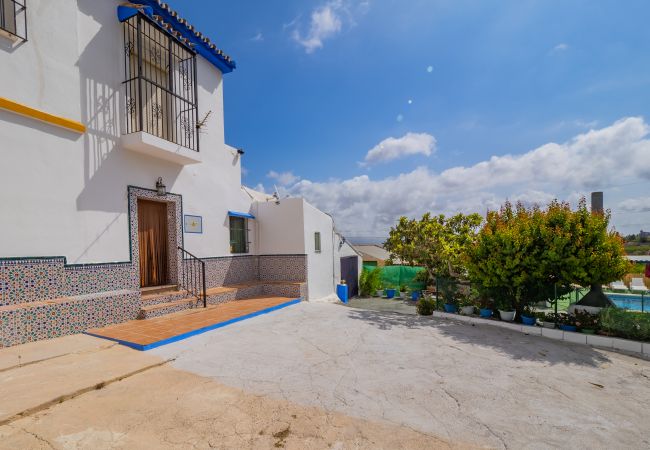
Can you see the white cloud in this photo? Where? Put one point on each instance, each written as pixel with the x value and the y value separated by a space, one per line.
pixel 590 161
pixel 394 148
pixel 244 171
pixel 259 37
pixel 638 204
pixel 560 47
pixel 326 21
pixel 283 178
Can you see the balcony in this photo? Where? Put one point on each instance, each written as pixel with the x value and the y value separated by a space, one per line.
pixel 161 98
pixel 13 20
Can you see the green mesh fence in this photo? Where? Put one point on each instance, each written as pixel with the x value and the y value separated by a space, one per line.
pixel 397 276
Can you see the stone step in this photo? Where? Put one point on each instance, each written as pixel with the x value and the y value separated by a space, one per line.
pixel 150 290
pixel 160 309
pixel 163 297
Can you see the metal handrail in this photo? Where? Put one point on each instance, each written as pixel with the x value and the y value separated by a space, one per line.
pixel 192 277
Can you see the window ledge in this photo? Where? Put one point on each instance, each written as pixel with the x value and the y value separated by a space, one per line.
pixel 151 145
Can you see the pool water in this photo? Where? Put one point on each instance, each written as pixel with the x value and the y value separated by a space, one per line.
pixel 631 302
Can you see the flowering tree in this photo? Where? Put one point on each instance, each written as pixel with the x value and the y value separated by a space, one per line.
pixel 521 254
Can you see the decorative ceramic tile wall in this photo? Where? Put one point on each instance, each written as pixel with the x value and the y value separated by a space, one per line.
pixel 44 320
pixel 283 268
pixel 30 279
pixel 220 271
pixel 90 278
pixel 291 290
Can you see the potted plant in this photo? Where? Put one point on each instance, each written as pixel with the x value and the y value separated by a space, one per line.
pixel 567 322
pixel 425 305
pixel 586 322
pixel 402 292
pixel 485 306
pixel 449 292
pixel 415 295
pixel 547 319
pixel 528 316
pixel 466 304
pixel 390 291
pixel 506 310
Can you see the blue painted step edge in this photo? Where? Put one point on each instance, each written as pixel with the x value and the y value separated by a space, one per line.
pixel 180 337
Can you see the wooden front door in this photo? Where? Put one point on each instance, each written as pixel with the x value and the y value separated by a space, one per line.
pixel 152 236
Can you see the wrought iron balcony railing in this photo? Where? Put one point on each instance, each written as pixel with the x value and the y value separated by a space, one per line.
pixel 13 18
pixel 160 83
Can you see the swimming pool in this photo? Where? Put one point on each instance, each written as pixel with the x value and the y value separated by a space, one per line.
pixel 632 302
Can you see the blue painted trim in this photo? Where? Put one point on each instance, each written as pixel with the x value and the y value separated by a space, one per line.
pixel 124 12
pixel 200 47
pixel 182 336
pixel 241 214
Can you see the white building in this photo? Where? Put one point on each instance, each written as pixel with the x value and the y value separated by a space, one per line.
pixel 116 178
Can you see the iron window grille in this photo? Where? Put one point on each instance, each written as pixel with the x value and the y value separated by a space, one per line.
pixel 13 18
pixel 238 235
pixel 160 83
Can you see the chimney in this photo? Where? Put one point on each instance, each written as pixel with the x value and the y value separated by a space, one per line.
pixel 597 202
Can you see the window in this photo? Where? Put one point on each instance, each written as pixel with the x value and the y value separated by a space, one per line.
pixel 238 235
pixel 317 241
pixel 13 18
pixel 160 83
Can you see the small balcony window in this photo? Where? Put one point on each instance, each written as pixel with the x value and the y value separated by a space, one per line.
pixel 160 83
pixel 13 19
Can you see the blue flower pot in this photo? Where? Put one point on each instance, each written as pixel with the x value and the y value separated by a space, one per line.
pixel 450 308
pixel 390 293
pixel 415 295
pixel 568 328
pixel 486 313
pixel 526 320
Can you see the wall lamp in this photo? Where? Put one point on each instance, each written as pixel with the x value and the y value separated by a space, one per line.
pixel 161 189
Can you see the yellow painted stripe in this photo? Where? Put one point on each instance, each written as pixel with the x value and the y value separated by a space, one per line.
pixel 43 116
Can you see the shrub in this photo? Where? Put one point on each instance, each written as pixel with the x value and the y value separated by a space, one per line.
pixel 566 319
pixel 425 306
pixel 587 321
pixel 625 324
pixel 370 281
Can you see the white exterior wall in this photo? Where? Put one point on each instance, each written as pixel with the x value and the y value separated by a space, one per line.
pixel 280 227
pixel 320 266
pixel 289 227
pixel 65 194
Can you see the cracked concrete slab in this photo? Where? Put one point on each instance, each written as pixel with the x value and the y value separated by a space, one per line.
pixel 31 387
pixel 172 409
pixel 486 386
pixel 34 352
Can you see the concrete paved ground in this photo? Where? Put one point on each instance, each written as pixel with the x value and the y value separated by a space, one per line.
pixel 403 306
pixel 80 392
pixel 480 385
pixel 325 376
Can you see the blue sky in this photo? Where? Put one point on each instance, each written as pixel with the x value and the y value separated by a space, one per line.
pixel 455 83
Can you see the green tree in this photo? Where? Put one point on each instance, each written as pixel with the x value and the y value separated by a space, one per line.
pixel 522 255
pixel 436 243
